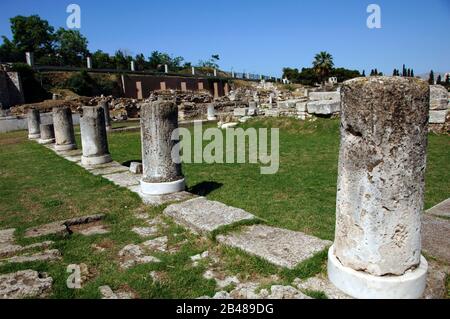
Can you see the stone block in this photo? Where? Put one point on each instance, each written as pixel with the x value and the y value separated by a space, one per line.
pixel 281 247
pixel 438 117
pixel 319 96
pixel 203 216
pixel 323 107
pixel 242 111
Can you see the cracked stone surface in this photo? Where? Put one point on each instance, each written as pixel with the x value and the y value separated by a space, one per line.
pixel 436 238
pixel 107 293
pixel 157 200
pixel 381 173
pixel 281 247
pixel 441 209
pixel 436 287
pixel 321 284
pixel 47 255
pixel 124 179
pixel 132 255
pixel 61 227
pixel 25 284
pixel 203 216
pixel 93 230
pixel 195 259
pixel 157 244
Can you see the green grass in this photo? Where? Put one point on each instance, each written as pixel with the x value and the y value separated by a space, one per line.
pixel 37 186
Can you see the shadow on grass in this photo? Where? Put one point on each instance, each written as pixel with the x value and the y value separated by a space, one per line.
pixel 205 188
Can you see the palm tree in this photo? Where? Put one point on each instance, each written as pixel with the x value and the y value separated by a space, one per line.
pixel 323 64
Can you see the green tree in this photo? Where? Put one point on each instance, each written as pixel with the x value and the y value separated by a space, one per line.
pixel 439 79
pixel 122 60
pixel 102 60
pixel 158 59
pixel 140 62
pixel 364 73
pixel 32 34
pixel 322 65
pixel 431 78
pixel 71 46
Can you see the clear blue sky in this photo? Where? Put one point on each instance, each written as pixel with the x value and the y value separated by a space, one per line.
pixel 261 36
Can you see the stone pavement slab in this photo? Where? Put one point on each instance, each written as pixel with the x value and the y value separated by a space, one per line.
pixel 436 237
pixel 124 179
pixel 203 216
pixel 157 200
pixel 281 247
pixel 441 209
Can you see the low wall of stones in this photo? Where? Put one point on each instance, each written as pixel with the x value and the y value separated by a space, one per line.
pixel 15 123
pixel 10 89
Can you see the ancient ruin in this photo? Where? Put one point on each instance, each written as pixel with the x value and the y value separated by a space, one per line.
pixel 64 132
pixel 382 160
pixel 93 137
pixel 161 173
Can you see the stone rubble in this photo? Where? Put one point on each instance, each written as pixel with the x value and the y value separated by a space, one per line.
pixel 132 255
pixel 25 284
pixel 107 293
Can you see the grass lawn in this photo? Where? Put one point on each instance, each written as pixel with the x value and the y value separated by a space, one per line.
pixel 37 186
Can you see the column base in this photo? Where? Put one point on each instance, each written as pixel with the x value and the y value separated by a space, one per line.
pixel 48 141
pixel 65 147
pixel 95 160
pixel 361 285
pixel 34 136
pixel 212 118
pixel 162 188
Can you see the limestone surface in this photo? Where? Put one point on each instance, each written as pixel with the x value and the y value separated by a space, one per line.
pixel 438 116
pixel 320 284
pixel 382 163
pixel 438 97
pixel 132 255
pixel 123 179
pixel 25 284
pixel 317 96
pixel 436 237
pixel 47 255
pixel 107 169
pixel 157 200
pixel 442 209
pixel 107 293
pixel 204 216
pixel 281 247
pixel 323 107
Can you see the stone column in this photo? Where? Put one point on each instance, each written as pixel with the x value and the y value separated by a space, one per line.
pixel 34 121
pixel 64 133
pixel 382 161
pixel 93 137
pixel 89 62
pixel 211 112
pixel 161 174
pixel 105 106
pixel 47 134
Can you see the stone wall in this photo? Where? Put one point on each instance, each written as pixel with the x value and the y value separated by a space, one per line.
pixel 11 92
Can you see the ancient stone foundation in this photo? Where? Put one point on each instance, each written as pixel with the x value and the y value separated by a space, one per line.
pixel 64 133
pixel 34 122
pixel 47 134
pixel 382 161
pixel 161 174
pixel 93 136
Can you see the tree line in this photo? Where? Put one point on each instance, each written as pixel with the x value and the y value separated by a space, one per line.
pixel 63 47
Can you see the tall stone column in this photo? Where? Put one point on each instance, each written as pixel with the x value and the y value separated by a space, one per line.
pixel 105 105
pixel 47 134
pixel 161 174
pixel 64 133
pixel 211 112
pixel 382 161
pixel 93 137
pixel 34 122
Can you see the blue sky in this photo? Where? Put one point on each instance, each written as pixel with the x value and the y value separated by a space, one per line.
pixel 261 36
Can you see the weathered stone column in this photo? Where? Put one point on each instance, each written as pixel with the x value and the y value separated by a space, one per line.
pixel 211 112
pixel 161 175
pixel 64 133
pixel 47 134
pixel 93 137
pixel 34 122
pixel 105 105
pixel 382 161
